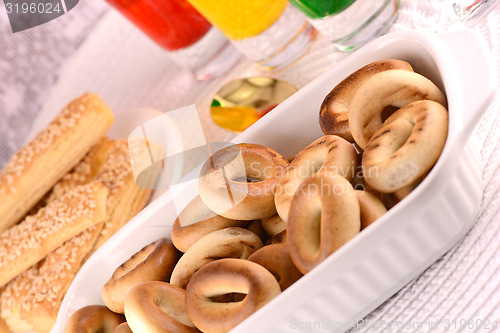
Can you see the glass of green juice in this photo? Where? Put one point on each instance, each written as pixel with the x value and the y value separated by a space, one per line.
pixel 349 23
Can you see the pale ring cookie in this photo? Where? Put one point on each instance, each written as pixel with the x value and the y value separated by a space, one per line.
pixel 197 220
pixel 324 216
pixel 225 243
pixel 406 146
pixel 93 318
pixel 154 262
pixel 239 181
pixel 227 276
pixel 156 306
pixel 371 208
pixel 329 154
pixel 334 111
pixel 395 88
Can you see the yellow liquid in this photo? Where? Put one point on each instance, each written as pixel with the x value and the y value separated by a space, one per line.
pixel 237 118
pixel 239 19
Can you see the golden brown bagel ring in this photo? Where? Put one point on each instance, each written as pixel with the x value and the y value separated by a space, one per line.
pixel 93 319
pixel 406 146
pixel 154 262
pixel 330 154
pixel 123 328
pixel 196 221
pixel 324 215
pixel 276 259
pixel 226 186
pixel 391 199
pixel 273 225
pixel 255 226
pixel 225 243
pixel 333 114
pixel 394 88
pixel 223 277
pixel 279 238
pixel 371 207
pixel 157 307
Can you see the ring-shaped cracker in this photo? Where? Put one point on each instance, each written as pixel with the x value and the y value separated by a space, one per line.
pixel 239 181
pixel 390 89
pixel 197 220
pixel 154 262
pixel 276 259
pixel 157 307
pixel 334 111
pixel 123 328
pixel 406 147
pixel 273 225
pixel 228 276
pixel 93 319
pixel 330 154
pixel 225 243
pixel 371 208
pixel 324 216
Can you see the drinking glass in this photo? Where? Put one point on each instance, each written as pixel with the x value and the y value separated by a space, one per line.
pixel 271 33
pixel 191 41
pixel 439 15
pixel 349 23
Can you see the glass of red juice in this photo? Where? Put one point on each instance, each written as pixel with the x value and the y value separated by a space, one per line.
pixel 189 38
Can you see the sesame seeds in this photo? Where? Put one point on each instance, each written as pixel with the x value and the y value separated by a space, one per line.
pixel 83 172
pixel 32 233
pixel 63 123
pixel 39 290
pixel 116 170
pixel 42 287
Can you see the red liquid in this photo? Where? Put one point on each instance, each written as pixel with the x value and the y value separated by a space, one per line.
pixel 173 24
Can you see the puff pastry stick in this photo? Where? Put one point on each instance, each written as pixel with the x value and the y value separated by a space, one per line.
pixel 126 198
pixel 37 294
pixel 10 309
pixel 109 163
pixel 3 325
pixel 26 243
pixel 36 167
pixel 84 172
pixel 41 288
pixel 34 297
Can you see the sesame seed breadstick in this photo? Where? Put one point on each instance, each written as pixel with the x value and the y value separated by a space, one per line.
pixel 44 286
pixel 126 198
pixel 84 172
pixel 109 163
pixel 32 300
pixel 11 309
pixel 3 325
pixel 36 167
pixel 26 243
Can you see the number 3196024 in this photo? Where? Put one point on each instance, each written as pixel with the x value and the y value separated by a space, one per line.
pixel 25 7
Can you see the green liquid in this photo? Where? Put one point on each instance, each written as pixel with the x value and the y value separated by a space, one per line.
pixel 316 9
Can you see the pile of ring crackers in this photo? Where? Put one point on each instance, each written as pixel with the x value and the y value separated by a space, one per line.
pixel 252 233
pixel 61 197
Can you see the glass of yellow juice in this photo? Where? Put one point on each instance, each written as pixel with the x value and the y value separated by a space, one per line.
pixel 271 33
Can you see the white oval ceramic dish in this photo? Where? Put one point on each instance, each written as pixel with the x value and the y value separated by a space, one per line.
pixel 387 255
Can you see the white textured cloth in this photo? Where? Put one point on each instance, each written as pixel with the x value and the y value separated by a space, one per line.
pixel 92 48
pixel 30 63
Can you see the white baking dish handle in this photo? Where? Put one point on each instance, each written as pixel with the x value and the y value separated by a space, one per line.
pixel 473 68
